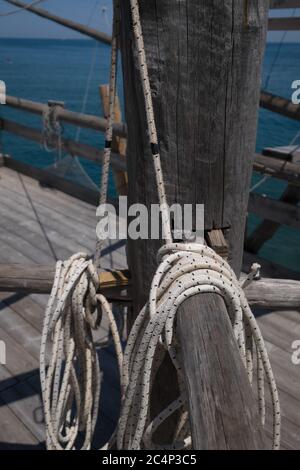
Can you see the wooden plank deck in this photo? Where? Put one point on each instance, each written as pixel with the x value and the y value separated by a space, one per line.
pixel 39 225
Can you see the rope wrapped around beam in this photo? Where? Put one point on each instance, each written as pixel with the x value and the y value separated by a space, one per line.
pixel 184 270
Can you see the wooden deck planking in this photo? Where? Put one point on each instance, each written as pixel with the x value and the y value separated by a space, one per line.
pixel 280 329
pixel 31 217
pixel 70 225
pixel 68 222
pixel 14 434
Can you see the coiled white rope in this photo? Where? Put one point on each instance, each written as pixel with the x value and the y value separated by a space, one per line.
pixel 71 400
pixel 71 383
pixel 185 270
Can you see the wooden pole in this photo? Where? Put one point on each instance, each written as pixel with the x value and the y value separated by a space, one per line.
pixel 80 28
pixel 204 62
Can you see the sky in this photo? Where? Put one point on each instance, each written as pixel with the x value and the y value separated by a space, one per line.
pixel 26 25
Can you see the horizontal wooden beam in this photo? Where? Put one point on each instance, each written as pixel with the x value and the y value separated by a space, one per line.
pixel 80 28
pixel 279 105
pixel 278 211
pixel 274 293
pixel 38 279
pixel 284 4
pixel 291 23
pixel 87 121
pixel 70 146
pixel 278 168
pixel 290 153
pixel 271 293
pixel 268 101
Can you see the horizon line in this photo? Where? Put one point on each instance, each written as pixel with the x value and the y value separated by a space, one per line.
pixel 92 39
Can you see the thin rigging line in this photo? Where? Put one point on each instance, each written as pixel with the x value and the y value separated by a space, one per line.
pixel 87 89
pixel 20 9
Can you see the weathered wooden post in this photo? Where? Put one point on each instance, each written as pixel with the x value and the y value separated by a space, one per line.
pixel 204 62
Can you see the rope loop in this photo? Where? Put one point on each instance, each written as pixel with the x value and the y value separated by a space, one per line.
pixel 184 271
pixel 71 384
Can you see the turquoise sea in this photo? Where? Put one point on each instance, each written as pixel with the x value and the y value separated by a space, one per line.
pixel 61 69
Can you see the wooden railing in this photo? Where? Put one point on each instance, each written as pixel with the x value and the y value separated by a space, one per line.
pixel 277 165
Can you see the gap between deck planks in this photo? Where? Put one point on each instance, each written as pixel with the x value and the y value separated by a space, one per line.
pixel 22 317
pixel 70 225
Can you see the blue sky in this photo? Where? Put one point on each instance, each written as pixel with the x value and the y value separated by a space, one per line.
pixel 27 25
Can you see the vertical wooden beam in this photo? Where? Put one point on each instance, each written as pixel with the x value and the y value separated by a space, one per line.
pixel 204 61
pixel 223 415
pixel 118 143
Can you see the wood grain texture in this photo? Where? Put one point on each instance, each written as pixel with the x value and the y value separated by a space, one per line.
pixel 279 328
pixel 204 60
pixel 223 413
pixel 39 279
pixel 204 64
pixel 70 224
pixel 274 293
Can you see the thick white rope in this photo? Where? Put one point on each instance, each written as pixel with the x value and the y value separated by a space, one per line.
pixel 185 270
pixel 71 383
